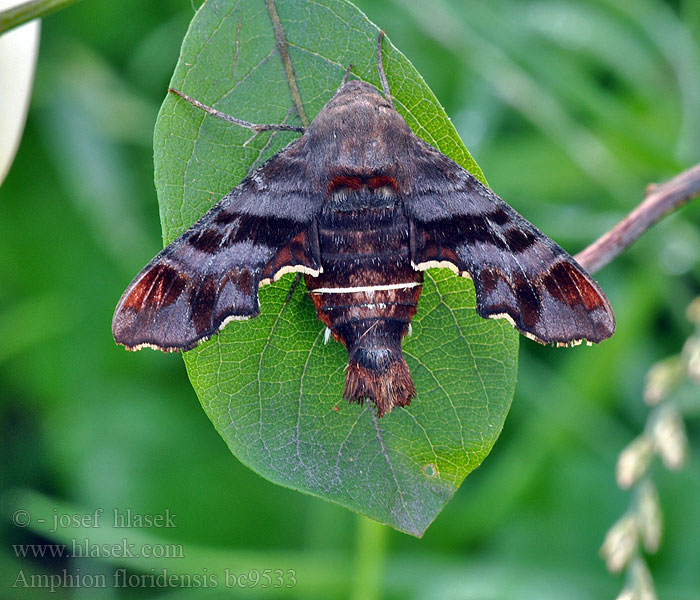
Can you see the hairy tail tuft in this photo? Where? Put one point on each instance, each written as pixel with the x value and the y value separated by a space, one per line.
pixel 380 375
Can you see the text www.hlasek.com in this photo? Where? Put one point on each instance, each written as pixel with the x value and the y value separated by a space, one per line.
pixel 86 549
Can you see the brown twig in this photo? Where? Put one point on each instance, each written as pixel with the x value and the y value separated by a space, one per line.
pixel 660 200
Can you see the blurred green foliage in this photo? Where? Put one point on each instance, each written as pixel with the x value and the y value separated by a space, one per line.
pixel 571 108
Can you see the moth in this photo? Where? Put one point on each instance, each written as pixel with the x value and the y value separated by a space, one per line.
pixel 361 207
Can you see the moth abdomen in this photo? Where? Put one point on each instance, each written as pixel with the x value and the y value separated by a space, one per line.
pixel 366 295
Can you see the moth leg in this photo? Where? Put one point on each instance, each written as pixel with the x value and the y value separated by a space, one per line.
pixel 380 68
pixel 257 128
pixel 251 138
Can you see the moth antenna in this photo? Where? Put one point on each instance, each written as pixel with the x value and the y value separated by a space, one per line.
pixel 240 122
pixel 346 76
pixel 380 68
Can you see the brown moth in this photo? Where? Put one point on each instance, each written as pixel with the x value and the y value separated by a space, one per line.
pixel 361 207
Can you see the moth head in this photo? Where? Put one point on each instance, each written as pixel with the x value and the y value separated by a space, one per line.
pixel 357 113
pixel 357 91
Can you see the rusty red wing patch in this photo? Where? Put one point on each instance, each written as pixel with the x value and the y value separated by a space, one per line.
pixel 159 287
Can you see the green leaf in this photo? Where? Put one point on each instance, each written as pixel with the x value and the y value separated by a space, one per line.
pixel 270 385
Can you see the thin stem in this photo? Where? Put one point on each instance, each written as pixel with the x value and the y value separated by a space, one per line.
pixel 660 200
pixel 34 9
pixel 286 61
pixel 369 559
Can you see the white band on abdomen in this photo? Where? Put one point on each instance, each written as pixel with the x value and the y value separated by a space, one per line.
pixel 367 288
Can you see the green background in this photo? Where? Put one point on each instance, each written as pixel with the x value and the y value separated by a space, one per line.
pixel 570 110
